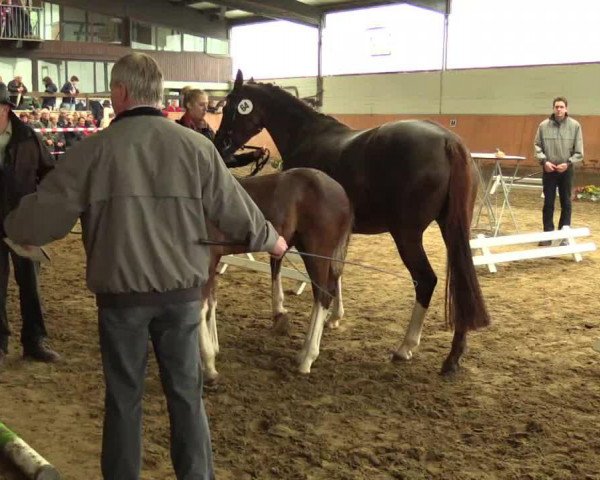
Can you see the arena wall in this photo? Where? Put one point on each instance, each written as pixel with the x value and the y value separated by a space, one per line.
pixel 494 107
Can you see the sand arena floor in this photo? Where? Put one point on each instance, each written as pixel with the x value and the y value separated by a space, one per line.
pixel 524 406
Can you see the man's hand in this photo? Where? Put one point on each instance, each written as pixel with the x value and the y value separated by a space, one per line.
pixel 549 167
pixel 562 167
pixel 280 248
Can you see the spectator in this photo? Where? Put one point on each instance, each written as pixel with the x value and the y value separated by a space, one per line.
pixel 17 89
pixel 59 137
pixel 48 138
pixel 69 88
pixel 558 146
pixel 50 87
pixel 24 162
pixel 24 117
pixel 173 106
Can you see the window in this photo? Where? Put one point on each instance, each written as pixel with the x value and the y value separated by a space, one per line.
pixel 101 77
pixel 390 38
pixel 85 72
pixel 192 43
pixel 104 29
pixel 251 44
pixel 217 47
pixel 142 36
pixel 168 39
pixel 11 67
pixel 74 25
pixel 51 22
pixel 55 69
pixel 541 32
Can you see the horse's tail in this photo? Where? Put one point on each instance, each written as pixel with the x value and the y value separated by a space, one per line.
pixel 465 307
pixel 340 251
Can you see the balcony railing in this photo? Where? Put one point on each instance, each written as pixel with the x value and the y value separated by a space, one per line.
pixel 20 23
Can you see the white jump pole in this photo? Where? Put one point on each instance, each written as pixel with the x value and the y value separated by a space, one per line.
pixel 29 462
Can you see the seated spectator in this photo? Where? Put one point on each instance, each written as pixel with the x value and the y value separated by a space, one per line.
pixel 49 139
pixel 24 117
pixel 59 137
pixel 173 106
pixel 82 123
pixel 91 120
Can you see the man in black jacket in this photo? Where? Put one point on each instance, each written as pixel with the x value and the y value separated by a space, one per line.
pixel 23 163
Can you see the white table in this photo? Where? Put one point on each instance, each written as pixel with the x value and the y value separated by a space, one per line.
pixel 489 186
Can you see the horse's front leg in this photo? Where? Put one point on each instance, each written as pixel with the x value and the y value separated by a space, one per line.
pixel 281 322
pixel 337 309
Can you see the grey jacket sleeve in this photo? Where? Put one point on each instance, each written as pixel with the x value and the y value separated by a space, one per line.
pixel 577 155
pixel 538 145
pixel 50 212
pixel 230 208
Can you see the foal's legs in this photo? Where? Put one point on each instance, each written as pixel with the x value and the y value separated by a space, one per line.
pixel 207 348
pixel 280 319
pixel 337 309
pixel 410 247
pixel 212 321
pixel 323 290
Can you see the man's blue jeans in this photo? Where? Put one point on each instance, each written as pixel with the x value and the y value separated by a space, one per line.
pixel 124 342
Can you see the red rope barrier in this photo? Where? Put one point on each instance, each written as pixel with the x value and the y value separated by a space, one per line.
pixel 68 129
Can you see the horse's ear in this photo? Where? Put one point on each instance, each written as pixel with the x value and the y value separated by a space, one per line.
pixel 239 80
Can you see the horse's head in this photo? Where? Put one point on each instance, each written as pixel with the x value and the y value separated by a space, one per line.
pixel 242 117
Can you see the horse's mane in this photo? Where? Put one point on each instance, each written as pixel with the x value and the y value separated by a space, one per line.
pixel 284 98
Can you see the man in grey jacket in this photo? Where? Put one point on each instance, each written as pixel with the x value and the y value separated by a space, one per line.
pixel 558 146
pixel 143 189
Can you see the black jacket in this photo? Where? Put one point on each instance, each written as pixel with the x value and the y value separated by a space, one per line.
pixel 49 102
pixel 26 162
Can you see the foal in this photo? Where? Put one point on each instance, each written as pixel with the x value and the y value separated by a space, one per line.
pixel 312 212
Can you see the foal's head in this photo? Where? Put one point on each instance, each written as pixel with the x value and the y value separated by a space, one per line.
pixel 242 117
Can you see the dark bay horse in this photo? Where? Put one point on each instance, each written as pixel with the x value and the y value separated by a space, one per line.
pixel 312 212
pixel 400 177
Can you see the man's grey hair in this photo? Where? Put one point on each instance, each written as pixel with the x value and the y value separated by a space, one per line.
pixel 141 76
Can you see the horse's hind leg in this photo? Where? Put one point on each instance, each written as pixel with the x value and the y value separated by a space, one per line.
pixel 337 309
pixel 410 247
pixel 207 348
pixel 212 320
pixel 281 323
pixel 323 290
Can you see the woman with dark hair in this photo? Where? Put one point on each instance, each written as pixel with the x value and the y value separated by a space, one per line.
pixel 49 102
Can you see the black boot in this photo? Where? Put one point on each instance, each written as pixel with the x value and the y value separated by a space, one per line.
pixel 40 352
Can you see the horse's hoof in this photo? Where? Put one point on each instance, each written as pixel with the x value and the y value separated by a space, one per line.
pixel 333 324
pixel 449 368
pixel 211 378
pixel 304 369
pixel 281 324
pixel 401 355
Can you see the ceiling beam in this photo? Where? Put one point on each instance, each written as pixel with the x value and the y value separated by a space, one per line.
pixel 157 12
pixel 292 11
